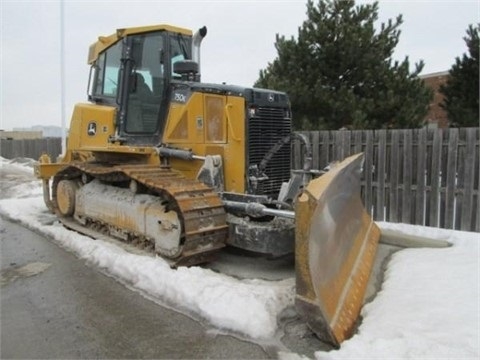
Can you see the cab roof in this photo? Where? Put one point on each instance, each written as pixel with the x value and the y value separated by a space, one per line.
pixel 105 42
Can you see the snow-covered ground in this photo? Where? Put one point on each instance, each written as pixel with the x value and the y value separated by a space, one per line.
pixel 428 305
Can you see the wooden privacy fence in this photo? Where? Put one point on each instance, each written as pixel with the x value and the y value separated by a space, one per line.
pixel 421 176
pixel 30 148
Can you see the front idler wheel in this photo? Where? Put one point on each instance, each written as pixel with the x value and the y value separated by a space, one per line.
pixel 66 190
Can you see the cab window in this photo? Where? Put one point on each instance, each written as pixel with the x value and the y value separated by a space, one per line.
pixel 108 66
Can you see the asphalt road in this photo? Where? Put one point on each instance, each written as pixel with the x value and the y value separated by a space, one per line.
pixel 54 306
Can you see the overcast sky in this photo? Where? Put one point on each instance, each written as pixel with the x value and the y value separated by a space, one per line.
pixel 240 42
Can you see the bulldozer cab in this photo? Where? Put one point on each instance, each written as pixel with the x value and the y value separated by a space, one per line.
pixel 134 74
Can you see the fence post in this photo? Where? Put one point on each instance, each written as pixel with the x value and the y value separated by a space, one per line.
pixel 407 177
pixel 420 204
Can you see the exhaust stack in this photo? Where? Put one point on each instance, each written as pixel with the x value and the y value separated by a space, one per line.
pixel 196 41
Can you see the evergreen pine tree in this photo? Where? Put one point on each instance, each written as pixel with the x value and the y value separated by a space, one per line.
pixel 339 71
pixel 462 88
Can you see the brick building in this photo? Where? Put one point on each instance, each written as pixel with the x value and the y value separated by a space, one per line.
pixel 437 116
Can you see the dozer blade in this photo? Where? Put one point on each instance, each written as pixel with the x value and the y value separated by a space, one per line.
pixel 335 246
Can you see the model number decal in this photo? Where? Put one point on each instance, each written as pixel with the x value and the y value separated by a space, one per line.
pixel 178 97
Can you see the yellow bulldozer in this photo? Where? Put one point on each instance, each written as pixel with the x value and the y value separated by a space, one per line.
pixel 160 160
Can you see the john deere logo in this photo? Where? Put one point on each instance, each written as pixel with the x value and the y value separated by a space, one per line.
pixel 92 128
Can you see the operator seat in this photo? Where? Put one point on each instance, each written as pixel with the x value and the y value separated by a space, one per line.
pixel 142 90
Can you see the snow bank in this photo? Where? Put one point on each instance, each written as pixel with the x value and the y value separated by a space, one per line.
pixel 18 180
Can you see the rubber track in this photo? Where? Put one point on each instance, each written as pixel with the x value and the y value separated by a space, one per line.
pixel 199 208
